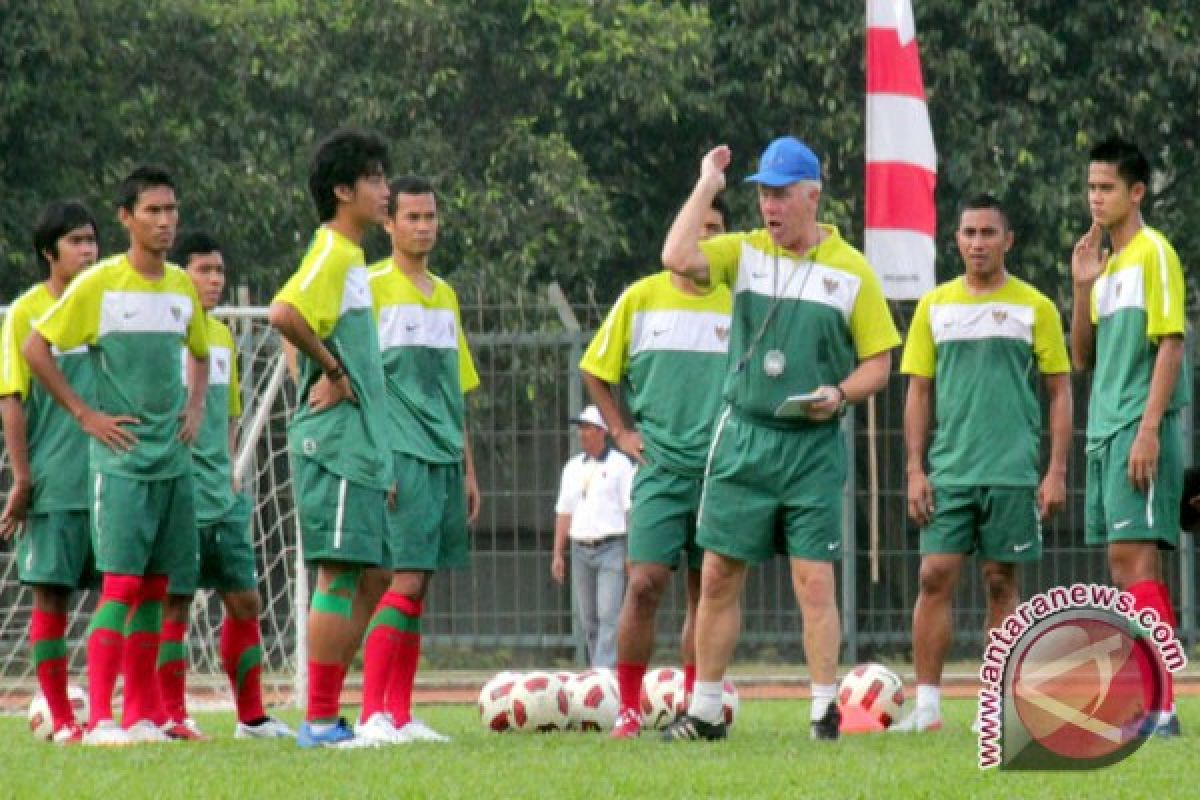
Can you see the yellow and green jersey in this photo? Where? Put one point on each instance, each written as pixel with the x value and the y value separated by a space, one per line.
pixel 133 328
pixel 54 440
pixel 667 350
pixel 984 354
pixel 212 468
pixel 829 315
pixel 331 292
pixel 1138 299
pixel 426 363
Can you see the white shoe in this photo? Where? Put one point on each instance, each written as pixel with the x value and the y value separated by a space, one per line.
pixel 919 721
pixel 269 728
pixel 107 734
pixel 144 731
pixel 417 731
pixel 378 731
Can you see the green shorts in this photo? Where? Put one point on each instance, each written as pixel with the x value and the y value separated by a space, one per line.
pixel 763 480
pixel 144 527
pixel 340 521
pixel 226 557
pixel 1116 512
pixel 662 522
pixel 56 550
pixel 427 531
pixel 1001 523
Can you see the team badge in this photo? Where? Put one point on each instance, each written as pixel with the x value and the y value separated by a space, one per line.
pixel 831 285
pixel 722 332
pixel 999 316
pixel 177 313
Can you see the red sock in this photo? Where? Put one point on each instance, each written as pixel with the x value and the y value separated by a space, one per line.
pixel 324 691
pixel 1167 612
pixel 381 649
pixel 1147 594
pixel 46 632
pixel 629 685
pixel 106 642
pixel 689 679
pixel 172 670
pixel 241 657
pixel 408 653
pixel 142 630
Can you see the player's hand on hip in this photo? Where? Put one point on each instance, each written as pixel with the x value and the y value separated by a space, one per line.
pixel 1052 495
pixel 558 568
pixel 326 394
pixel 189 423
pixel 12 519
pixel 827 406
pixel 109 430
pixel 713 166
pixel 629 442
pixel 920 498
pixel 1143 460
pixel 1088 259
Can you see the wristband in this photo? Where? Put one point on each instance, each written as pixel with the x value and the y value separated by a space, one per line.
pixel 336 374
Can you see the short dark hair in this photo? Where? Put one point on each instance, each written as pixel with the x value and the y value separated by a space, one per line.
pixel 1131 165
pixel 407 184
pixel 57 220
pixel 341 159
pixel 146 176
pixel 985 202
pixel 190 243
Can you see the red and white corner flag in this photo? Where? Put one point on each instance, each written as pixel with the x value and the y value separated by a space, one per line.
pixel 901 218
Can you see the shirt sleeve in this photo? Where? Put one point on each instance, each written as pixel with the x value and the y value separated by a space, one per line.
pixel 15 376
pixel 197 329
pixel 468 377
pixel 568 490
pixel 920 352
pixel 315 290
pixel 606 355
pixel 235 385
pixel 723 252
pixel 1165 292
pixel 1049 340
pixel 871 322
pixel 75 319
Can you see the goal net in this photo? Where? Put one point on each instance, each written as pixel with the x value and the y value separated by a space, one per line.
pixel 261 463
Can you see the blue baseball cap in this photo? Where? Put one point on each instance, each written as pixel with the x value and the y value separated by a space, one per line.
pixel 786 161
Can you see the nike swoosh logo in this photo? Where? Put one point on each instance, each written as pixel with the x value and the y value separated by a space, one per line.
pixel 659 332
pixel 759 275
pixel 130 314
pixel 834 546
pixel 411 327
pixel 1125 523
pixel 1021 548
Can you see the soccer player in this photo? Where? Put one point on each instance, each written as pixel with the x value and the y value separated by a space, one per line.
pixel 49 496
pixel 428 369
pixel 133 311
pixel 810 333
pixel 664 330
pixel 1127 325
pixel 973 343
pixel 223 528
pixel 339 439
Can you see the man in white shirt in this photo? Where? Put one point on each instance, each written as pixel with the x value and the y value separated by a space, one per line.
pixel 593 502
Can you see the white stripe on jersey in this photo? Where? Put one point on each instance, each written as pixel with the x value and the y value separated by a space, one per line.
pixel 220 371
pixel 319 261
pixel 960 322
pixel 1123 289
pixel 74 351
pixel 356 293
pixel 772 276
pixel 1162 270
pixel 144 312
pixel 417 326
pixel 679 330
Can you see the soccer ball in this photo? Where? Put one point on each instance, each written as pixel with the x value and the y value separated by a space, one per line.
pixel 662 697
pixel 539 703
pixel 495 701
pixel 729 702
pixel 41 723
pixel 875 689
pixel 595 700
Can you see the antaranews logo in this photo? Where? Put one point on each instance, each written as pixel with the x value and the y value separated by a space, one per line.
pixel 1073 680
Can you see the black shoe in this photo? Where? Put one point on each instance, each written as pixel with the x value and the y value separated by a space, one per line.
pixel 1169 729
pixel 828 727
pixel 687 727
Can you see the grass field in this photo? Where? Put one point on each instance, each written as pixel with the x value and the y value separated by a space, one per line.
pixel 768 755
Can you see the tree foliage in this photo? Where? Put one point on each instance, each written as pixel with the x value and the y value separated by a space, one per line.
pixel 563 134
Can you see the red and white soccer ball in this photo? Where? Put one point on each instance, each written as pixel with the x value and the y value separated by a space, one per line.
pixel 539 703
pixel 876 690
pixel 41 723
pixel 663 697
pixel 495 701
pixel 729 702
pixel 594 700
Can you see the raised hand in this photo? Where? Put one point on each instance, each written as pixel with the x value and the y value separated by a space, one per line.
pixel 1089 258
pixel 712 168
